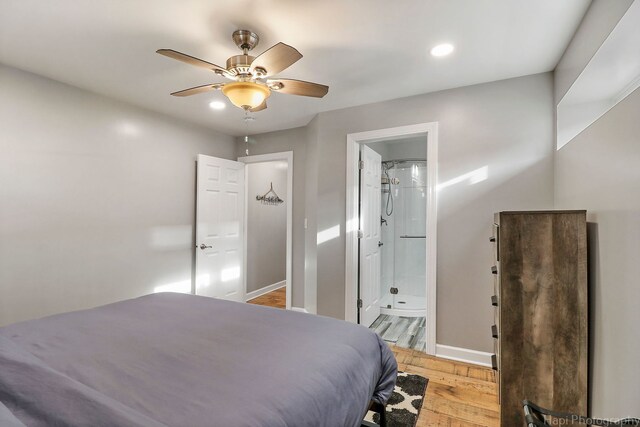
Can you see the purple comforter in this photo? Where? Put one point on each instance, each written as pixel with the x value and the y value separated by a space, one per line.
pixel 183 360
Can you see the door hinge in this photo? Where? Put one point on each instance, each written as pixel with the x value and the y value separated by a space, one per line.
pixel 361 164
pixel 359 303
pixel 360 234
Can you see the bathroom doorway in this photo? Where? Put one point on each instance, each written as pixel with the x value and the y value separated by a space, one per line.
pixel 395 205
pixel 403 226
pixel 403 211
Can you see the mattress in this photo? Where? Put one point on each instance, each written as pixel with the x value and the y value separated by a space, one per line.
pixel 182 360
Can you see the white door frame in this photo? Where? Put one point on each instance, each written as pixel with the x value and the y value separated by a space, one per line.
pixel 259 158
pixel 430 130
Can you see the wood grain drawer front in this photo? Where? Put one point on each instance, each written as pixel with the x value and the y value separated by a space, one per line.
pixel 543 312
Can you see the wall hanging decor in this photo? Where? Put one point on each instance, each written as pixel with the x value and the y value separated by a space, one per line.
pixel 269 198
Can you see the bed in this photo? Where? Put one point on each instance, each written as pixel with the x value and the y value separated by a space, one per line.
pixel 182 360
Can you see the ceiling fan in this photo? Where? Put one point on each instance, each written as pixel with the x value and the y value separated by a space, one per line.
pixel 252 81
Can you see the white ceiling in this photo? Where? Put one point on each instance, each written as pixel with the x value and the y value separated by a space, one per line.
pixel 365 50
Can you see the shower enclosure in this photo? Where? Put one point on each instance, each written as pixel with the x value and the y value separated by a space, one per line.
pixel 403 232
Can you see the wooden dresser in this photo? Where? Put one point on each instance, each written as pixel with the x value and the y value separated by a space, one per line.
pixel 541 311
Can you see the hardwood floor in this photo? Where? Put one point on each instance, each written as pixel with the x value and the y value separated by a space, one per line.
pixel 277 298
pixel 458 394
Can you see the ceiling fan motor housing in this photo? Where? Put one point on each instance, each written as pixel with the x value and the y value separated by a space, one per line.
pixel 245 39
pixel 239 64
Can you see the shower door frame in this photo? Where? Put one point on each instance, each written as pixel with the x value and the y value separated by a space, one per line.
pixel 354 140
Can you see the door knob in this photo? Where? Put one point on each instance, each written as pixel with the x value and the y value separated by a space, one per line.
pixel 203 246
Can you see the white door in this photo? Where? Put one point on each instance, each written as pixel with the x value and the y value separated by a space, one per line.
pixel 220 228
pixel 370 227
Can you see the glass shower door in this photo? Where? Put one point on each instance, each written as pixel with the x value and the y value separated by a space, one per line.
pixel 410 236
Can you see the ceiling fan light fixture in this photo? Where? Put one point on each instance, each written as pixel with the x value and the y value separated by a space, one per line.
pixel 246 95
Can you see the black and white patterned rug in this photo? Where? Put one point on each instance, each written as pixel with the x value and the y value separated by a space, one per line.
pixel 404 404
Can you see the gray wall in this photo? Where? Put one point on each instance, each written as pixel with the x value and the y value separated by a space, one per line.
pixel 601 17
pixel 266 225
pixel 506 126
pixel 97 197
pixel 410 148
pixel 289 140
pixel 311 231
pixel 599 170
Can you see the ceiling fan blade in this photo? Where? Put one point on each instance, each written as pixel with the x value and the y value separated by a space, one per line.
pixel 260 107
pixel 191 60
pixel 198 89
pixel 275 59
pixel 298 87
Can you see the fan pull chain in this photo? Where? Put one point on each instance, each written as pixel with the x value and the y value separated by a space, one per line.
pixel 246 137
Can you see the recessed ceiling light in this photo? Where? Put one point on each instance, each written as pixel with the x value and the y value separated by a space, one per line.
pixel 443 49
pixel 217 105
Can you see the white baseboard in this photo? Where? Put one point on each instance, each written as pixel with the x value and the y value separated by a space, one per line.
pixel 299 309
pixel 463 355
pixel 259 292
